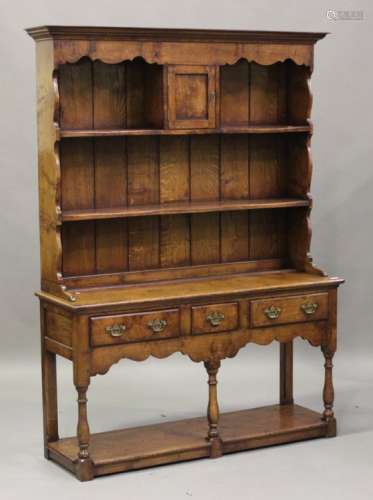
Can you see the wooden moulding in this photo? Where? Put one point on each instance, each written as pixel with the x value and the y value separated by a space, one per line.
pixel 141 447
pixel 171 34
pixel 174 46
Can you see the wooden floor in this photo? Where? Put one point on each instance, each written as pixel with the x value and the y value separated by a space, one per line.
pixel 141 447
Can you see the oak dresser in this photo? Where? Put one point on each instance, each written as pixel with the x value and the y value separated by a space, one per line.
pixel 174 179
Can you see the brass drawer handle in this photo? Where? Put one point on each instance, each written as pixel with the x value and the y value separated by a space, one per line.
pixel 215 318
pixel 273 312
pixel 116 330
pixel 157 325
pixel 309 308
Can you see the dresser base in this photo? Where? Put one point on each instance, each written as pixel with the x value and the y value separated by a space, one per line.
pixel 141 447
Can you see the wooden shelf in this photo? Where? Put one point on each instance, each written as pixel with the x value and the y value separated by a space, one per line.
pixel 186 439
pixel 251 129
pixel 180 208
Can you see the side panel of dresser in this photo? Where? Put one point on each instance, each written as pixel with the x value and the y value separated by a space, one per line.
pixel 48 167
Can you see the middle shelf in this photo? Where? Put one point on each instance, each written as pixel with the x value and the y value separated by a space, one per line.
pixel 249 129
pixel 187 207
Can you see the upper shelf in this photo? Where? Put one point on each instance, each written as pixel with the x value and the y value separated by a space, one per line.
pixel 251 129
pixel 187 207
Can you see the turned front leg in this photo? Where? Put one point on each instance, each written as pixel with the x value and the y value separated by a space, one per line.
pixel 84 463
pixel 328 392
pixel 212 368
pixel 328 348
pixel 81 358
pixel 83 426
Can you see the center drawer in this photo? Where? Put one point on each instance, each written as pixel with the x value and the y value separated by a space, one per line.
pixel 134 327
pixel 214 318
pixel 295 309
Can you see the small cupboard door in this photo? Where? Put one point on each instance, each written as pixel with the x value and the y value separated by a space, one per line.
pixel 191 96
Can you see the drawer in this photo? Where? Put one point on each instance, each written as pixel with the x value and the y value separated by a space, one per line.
pixel 278 311
pixel 214 318
pixel 134 327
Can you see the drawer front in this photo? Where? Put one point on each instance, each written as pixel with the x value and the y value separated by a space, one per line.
pixel 134 327
pixel 214 318
pixel 278 311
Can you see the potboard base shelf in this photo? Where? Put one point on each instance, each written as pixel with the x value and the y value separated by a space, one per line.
pixel 140 447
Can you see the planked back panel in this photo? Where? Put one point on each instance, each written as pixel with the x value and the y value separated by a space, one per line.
pixel 118 171
pixel 255 94
pixel 96 95
pixel 109 172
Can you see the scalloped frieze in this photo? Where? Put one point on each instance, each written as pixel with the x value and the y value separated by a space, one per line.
pixel 204 347
pixel 57 158
pixel 112 52
pixel 309 267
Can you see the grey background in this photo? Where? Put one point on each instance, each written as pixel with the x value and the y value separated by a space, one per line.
pixel 138 393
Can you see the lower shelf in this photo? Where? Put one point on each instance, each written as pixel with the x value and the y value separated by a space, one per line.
pixel 158 444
